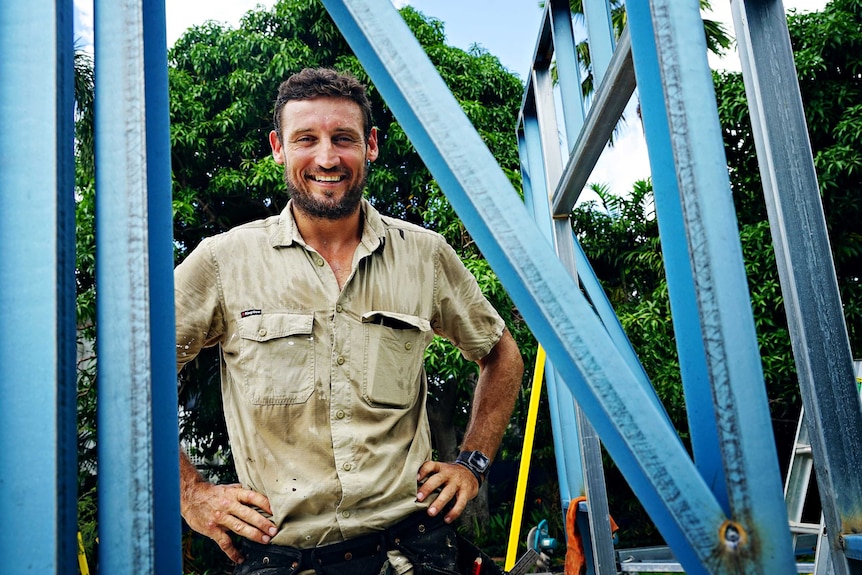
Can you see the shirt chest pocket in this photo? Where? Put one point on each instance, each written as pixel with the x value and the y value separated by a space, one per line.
pixel 277 357
pixel 394 354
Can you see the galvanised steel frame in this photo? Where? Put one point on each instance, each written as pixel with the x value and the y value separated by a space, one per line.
pixel 721 511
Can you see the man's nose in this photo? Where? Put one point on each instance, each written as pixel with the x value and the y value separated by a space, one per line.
pixel 326 154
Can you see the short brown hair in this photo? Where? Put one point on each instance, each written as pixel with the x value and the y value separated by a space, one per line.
pixel 322 82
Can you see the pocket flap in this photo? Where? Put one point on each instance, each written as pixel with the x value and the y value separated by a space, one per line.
pixel 396 320
pixel 275 325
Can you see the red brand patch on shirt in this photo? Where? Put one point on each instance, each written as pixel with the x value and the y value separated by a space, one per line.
pixel 249 312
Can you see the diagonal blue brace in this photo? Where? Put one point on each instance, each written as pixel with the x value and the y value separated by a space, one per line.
pixel 645 448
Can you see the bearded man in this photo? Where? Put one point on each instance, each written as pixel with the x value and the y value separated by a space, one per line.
pixel 323 314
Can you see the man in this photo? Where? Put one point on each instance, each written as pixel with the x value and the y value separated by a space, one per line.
pixel 323 314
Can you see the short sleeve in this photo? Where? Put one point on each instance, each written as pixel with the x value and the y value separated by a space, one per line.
pixel 199 314
pixel 464 315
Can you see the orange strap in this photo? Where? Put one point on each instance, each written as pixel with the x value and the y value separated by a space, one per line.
pixel 576 563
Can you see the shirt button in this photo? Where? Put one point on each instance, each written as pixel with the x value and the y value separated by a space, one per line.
pixel 345 514
pixel 339 414
pixel 261 332
pixel 347 467
pixel 408 346
pixel 338 308
pixel 339 360
pixel 318 261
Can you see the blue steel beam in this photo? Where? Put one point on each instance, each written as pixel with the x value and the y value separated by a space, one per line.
pixel 678 271
pixel 166 512
pixel 643 446
pixel 609 102
pixel 806 269
pixel 125 442
pixel 620 79
pixel 589 464
pixel 600 30
pixel 570 474
pixel 37 290
pixel 746 442
pixel 568 70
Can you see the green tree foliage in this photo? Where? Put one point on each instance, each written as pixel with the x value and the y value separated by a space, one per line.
pixel 85 273
pixel 620 235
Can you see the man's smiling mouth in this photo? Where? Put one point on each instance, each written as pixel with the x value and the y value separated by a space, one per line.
pixel 327 179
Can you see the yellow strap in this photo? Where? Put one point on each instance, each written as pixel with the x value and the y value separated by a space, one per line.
pixel 526 455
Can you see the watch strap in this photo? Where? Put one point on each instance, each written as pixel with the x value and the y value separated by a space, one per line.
pixel 477 462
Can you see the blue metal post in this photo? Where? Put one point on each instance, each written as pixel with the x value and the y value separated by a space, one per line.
pixel 680 278
pixel 37 290
pixel 168 556
pixel 600 30
pixel 570 474
pixel 131 181
pixel 733 361
pixel 568 70
pixel 805 266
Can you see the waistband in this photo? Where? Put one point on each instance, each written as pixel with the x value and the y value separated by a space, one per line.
pixel 369 547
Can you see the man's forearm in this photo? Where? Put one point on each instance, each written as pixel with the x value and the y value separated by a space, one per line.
pixel 494 399
pixel 189 476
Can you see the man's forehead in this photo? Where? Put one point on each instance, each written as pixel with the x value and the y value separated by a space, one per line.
pixel 332 112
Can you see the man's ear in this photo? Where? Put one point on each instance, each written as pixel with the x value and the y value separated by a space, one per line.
pixel 277 148
pixel 371 150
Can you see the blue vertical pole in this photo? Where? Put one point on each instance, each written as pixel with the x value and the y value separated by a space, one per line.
pixel 168 557
pixel 126 501
pixel 37 290
pixel 570 474
pixel 600 30
pixel 703 428
pixel 746 443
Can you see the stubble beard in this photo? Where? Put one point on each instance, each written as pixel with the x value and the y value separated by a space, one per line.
pixel 324 208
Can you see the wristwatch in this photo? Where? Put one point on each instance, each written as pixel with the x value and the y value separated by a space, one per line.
pixel 477 462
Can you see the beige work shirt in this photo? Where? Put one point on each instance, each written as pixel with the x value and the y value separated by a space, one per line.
pixel 324 389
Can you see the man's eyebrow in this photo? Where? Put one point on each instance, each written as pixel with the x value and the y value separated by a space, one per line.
pixel 340 131
pixel 348 130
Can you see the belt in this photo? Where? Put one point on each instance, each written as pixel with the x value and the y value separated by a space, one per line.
pixel 370 548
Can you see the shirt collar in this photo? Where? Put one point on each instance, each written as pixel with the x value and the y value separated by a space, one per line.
pixel 285 233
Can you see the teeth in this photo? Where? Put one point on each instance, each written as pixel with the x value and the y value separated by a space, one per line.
pixel 327 178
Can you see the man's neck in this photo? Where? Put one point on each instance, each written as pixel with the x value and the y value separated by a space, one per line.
pixel 330 237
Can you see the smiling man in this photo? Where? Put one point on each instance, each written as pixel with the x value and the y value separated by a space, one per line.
pixel 323 314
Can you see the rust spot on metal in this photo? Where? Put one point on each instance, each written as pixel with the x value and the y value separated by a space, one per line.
pixel 851 523
pixel 733 536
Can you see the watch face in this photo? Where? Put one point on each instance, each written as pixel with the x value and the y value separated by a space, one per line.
pixel 479 459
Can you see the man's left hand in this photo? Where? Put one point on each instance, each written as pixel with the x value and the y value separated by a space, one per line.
pixel 454 482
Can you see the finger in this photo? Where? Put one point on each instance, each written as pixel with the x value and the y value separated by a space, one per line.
pixel 255 499
pixel 427 469
pixel 442 500
pixel 432 483
pixel 461 500
pixel 226 545
pixel 245 521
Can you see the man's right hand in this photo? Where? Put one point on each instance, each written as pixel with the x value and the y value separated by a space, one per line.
pixel 217 510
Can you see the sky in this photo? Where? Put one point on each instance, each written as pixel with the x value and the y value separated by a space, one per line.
pixel 505 28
